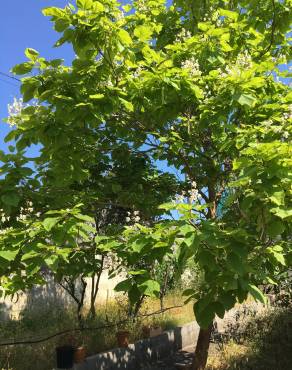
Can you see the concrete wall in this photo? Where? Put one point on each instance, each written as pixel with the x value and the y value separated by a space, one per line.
pixel 143 352
pixel 53 295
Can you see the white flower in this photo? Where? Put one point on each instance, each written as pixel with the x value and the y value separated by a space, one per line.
pixel 22 217
pixel 242 63
pixel 141 6
pixel 193 192
pixel 128 219
pixel 136 213
pixel 193 66
pixel 183 35
pixel 14 110
pixel 288 115
pixel 120 16
pixel 137 219
pixel 137 72
pixel 285 135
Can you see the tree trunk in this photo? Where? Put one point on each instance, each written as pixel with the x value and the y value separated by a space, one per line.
pixel 95 287
pixel 92 298
pixel 202 348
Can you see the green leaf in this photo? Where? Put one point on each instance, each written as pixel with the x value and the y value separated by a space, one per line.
pixel 218 309
pixel 143 33
pixel 123 286
pixel 276 252
pixel 97 7
pixel 207 259
pixel 197 91
pixel 9 255
pixel 128 105
pixel 138 272
pixel 84 4
pixel 84 217
pixel 225 46
pixel 228 14
pixel 245 99
pixel 256 293
pixel 188 292
pixel 125 37
pixel 278 198
pixel 11 199
pixel 235 263
pixel 53 12
pixel 52 261
pixel 31 54
pixel 50 222
pixel 204 313
pixel 23 68
pixel 149 288
pixel 282 213
pixel 96 96
pixel 228 300
pixel 61 25
pixel 167 206
pixel 275 228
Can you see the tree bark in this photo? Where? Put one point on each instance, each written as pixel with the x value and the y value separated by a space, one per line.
pixel 202 349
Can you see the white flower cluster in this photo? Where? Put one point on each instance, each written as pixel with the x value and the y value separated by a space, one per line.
pixel 133 217
pixel 14 109
pixel 137 72
pixel 3 217
pixel 183 35
pixel 26 211
pixel 288 115
pixel 192 65
pixel 4 231
pixel 179 198
pixel 243 62
pixel 208 91
pixel 120 15
pixel 187 277
pixel 193 192
pixel 213 15
pixel 192 195
pixel 285 135
pixel 141 6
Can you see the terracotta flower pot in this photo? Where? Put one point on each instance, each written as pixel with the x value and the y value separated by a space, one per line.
pixel 79 355
pixel 123 338
pixel 154 332
pixel 146 330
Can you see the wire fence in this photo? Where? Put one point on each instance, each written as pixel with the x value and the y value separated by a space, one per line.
pixel 81 329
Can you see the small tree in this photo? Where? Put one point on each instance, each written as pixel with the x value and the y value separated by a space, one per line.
pixel 193 84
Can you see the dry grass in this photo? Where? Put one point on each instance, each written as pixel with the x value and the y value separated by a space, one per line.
pixel 265 344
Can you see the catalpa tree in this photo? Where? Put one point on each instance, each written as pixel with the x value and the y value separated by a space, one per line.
pixel 196 84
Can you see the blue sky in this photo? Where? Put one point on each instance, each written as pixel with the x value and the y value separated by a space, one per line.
pixel 23 25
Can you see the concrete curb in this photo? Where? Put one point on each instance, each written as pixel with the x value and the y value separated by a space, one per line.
pixel 144 351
